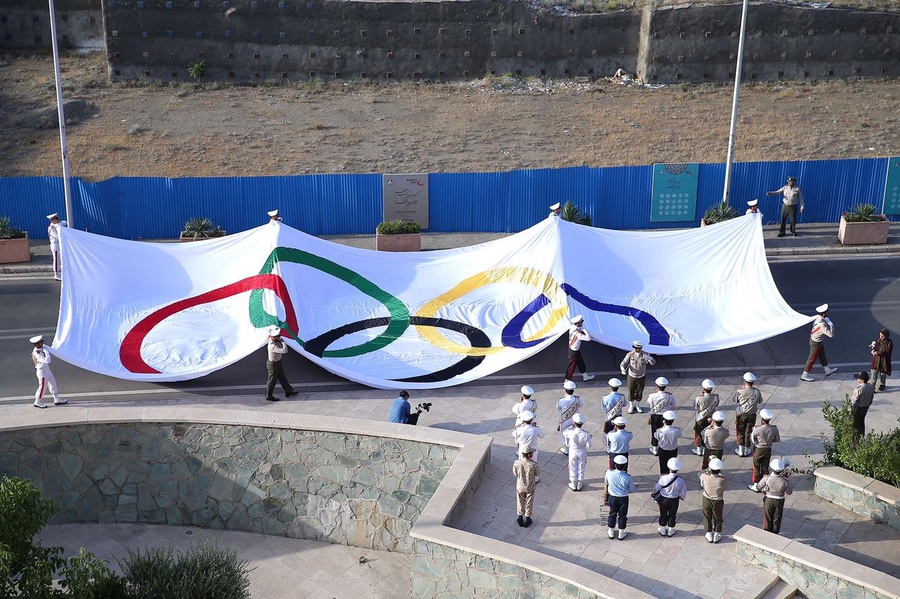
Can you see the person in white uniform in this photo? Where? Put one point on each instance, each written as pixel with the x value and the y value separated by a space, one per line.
pixel 525 404
pixel 579 441
pixel 568 405
pixel 53 235
pixel 40 356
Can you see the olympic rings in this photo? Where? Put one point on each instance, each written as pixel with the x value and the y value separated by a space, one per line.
pixel 476 337
pixel 399 313
pixel 552 293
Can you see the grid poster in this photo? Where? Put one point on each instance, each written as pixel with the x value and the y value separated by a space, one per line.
pixel 674 194
pixel 892 187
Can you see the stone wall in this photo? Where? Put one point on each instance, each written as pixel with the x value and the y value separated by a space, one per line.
pixel 271 40
pixel 815 573
pixel 333 487
pixel 865 496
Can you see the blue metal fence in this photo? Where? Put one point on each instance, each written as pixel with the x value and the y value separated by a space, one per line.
pixel 615 197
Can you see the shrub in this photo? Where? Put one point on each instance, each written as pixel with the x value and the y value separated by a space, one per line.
pixel 7 231
pixel 398 227
pixel 876 455
pixel 201 228
pixel 718 213
pixel 862 213
pixel 199 573
pixel 573 214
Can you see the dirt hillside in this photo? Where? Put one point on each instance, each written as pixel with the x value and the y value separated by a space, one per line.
pixel 487 125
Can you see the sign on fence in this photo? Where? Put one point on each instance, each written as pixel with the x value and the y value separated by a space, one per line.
pixel 674 193
pixel 892 187
pixel 405 197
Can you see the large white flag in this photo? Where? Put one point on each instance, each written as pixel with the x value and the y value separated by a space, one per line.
pixel 169 312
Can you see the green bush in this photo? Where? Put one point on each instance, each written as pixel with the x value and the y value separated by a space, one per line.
pixel 862 213
pixel 201 227
pixel 204 572
pixel 718 213
pixel 876 455
pixel 7 231
pixel 573 214
pixel 398 227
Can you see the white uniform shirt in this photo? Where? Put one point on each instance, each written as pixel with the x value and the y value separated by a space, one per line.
pixel 578 438
pixel 521 406
pixel 567 407
pixel 660 401
pixel 576 336
pixel 277 349
pixel 40 357
pixel 528 434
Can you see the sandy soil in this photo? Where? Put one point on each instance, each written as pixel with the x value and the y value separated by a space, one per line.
pixel 487 125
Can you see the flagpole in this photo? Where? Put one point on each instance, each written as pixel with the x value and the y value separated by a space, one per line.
pixel 726 192
pixel 67 187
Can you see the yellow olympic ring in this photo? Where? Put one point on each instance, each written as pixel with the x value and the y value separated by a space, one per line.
pixel 543 281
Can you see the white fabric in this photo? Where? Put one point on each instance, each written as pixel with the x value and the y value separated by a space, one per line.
pixel 679 292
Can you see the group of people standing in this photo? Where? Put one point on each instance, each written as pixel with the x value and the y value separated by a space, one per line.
pixel 755 436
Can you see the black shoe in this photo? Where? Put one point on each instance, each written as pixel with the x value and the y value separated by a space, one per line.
pixel 292 393
pixel 527 522
pixel 781 234
pixel 793 233
pixel 881 387
pixel 520 521
pixel 271 399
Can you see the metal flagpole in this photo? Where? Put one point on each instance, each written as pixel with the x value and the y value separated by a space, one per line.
pixel 734 106
pixel 62 118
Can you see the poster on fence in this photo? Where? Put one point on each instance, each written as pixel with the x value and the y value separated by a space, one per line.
pixel 892 187
pixel 405 197
pixel 674 193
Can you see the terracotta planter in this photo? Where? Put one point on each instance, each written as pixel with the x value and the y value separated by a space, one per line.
pixel 864 233
pixel 15 250
pixel 407 242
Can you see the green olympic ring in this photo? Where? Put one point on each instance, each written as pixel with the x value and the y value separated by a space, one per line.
pixel 396 308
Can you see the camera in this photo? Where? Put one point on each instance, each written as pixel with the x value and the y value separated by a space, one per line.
pixel 422 407
pixel 872 345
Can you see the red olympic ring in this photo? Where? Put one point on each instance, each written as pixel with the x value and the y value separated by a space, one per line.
pixel 130 350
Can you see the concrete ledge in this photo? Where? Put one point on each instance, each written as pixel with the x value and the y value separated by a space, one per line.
pixel 865 496
pixel 445 561
pixel 816 573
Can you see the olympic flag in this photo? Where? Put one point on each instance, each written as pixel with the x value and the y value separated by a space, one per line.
pixel 169 312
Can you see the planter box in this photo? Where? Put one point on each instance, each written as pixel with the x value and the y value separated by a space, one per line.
pixel 14 250
pixel 192 238
pixel 863 233
pixel 408 242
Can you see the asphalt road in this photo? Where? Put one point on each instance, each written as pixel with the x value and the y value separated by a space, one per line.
pixel 864 296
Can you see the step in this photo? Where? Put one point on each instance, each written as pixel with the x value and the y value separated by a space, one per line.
pixel 781 590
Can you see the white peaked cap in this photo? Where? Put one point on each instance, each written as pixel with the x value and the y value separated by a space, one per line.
pixel 52 216
pixel 570 386
pixel 661 381
pixel 527 415
pixel 716 464
pixel 822 309
pixel 36 339
pixel 766 414
pixel 752 203
pixel 708 384
pixel 777 465
pixel 674 464
pixel 577 319
pixel 614 382
pixel 620 421
pixel 555 206
pixel 749 377
pixel 526 390
pixel 669 415
pixel 718 416
pixel 272 212
pixel 620 459
pixel 578 418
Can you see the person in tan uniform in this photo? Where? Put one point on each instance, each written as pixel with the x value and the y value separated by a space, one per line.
pixel 277 348
pixel 714 439
pixel 775 486
pixel 747 399
pixel 634 366
pixel 713 483
pixel 763 437
pixel 705 404
pixel 526 472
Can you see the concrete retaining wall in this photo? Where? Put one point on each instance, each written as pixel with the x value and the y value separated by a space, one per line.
pixel 816 574
pixel 255 40
pixel 865 496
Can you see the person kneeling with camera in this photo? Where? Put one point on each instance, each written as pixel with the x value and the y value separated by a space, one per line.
pixel 400 410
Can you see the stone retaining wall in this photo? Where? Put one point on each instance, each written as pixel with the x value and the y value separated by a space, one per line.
pixel 865 496
pixel 817 574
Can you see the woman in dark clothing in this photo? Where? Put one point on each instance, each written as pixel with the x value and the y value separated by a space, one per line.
pixel 881 357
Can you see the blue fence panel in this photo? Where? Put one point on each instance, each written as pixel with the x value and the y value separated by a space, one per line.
pixel 615 197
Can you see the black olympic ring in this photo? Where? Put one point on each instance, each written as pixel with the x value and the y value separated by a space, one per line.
pixel 476 337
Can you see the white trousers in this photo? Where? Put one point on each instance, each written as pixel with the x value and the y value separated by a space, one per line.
pixel 577 461
pixel 54 251
pixel 46 381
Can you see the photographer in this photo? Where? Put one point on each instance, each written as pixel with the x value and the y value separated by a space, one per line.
pixel 400 409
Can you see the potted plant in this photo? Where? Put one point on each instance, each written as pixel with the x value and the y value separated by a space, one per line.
pixel 573 214
pixel 13 243
pixel 398 236
pixel 200 228
pixel 718 213
pixel 861 225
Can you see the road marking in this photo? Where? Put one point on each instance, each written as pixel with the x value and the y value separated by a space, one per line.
pixel 499 378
